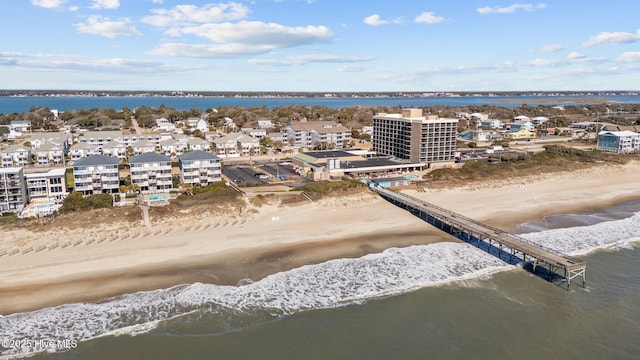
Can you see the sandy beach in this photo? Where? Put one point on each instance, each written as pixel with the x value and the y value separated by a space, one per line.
pixel 62 265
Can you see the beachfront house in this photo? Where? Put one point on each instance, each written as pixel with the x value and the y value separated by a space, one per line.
pixel 13 189
pixel 265 124
pixel 539 120
pixel 521 118
pixel 153 138
pixel 256 133
pixel 96 174
pixel 198 144
pixel 164 124
pixel 151 172
pixel 520 135
pixel 171 147
pixel 519 125
pixel 492 123
pixel 480 135
pixel 98 138
pixel 143 146
pixel 327 134
pixel 82 150
pixel 58 138
pixel 115 149
pixel 199 168
pixel 20 126
pixel 49 153
pixel 622 142
pixel 49 186
pixel 236 144
pixel 15 156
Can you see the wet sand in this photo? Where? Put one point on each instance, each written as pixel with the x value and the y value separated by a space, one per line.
pixel 228 249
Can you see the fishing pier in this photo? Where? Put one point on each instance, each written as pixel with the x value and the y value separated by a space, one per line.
pixel 473 231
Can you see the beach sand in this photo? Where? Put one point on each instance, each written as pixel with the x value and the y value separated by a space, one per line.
pixel 63 265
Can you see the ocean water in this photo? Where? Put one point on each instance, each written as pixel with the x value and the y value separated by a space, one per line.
pixel 442 301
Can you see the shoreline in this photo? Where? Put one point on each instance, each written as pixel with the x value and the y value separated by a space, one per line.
pixel 228 249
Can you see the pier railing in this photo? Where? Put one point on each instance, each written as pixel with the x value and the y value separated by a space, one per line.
pixel 554 259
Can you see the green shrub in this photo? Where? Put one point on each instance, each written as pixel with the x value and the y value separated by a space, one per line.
pixel 78 202
pixel 322 188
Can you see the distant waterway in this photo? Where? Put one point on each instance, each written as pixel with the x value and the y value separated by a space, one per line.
pixel 9 105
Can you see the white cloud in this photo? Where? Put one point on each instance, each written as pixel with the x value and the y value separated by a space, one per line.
pixel 191 14
pixel 257 34
pixel 352 68
pixel 105 4
pixel 40 61
pixel 73 8
pixel 541 62
pixel 575 55
pixel 428 18
pixel 630 56
pixel 552 48
pixel 510 9
pixel 315 58
pixel 376 20
pixel 98 25
pixel 612 38
pixel 209 50
pixel 48 4
pixel 572 59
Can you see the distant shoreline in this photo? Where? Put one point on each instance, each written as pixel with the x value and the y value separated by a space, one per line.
pixel 314 94
pixel 22 104
pixel 586 100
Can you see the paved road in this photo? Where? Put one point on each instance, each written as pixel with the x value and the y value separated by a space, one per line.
pixel 135 125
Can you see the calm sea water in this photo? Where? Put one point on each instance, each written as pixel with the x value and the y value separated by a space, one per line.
pixel 9 105
pixel 441 301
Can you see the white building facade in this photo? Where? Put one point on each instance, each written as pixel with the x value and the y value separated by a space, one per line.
pixel 414 137
pixel 96 174
pixel 199 168
pixel 151 172
pixel 50 186
pixel 13 190
pixel 623 142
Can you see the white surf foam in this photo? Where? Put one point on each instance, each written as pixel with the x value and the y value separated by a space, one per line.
pixel 581 240
pixel 331 284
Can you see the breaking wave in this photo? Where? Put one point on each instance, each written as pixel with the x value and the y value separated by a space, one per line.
pixel 581 240
pixel 330 284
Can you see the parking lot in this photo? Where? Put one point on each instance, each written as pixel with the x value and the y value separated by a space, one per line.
pixel 264 174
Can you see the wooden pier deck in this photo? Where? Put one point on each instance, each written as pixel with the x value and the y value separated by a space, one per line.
pixel 462 226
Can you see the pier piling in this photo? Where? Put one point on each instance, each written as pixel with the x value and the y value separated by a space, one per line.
pixel 564 266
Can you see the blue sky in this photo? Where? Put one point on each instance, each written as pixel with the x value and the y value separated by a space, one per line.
pixel 320 45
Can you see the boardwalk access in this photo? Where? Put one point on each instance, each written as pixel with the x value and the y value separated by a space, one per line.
pixel 469 230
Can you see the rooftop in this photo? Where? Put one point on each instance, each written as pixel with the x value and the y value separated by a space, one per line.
pixel 10 170
pixel 382 161
pixel 93 160
pixel 52 172
pixel 149 157
pixel 328 154
pixel 198 155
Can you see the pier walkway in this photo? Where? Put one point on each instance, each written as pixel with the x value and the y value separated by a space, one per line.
pixel 469 230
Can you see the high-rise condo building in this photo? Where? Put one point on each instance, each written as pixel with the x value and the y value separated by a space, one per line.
pixel 412 136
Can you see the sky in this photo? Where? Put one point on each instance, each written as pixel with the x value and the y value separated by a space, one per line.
pixel 320 45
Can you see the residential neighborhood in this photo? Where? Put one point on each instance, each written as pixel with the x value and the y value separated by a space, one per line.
pixel 41 167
